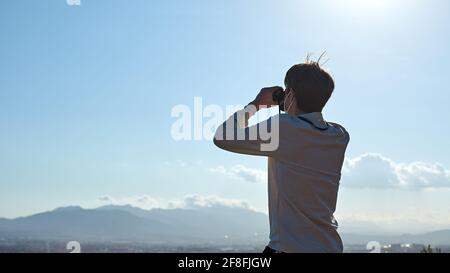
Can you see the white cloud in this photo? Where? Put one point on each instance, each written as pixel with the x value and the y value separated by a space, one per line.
pixel 143 201
pixel 106 198
pixel 191 201
pixel 196 201
pixel 366 171
pixel 376 171
pixel 242 172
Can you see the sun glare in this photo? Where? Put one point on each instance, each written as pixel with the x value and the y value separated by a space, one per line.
pixel 365 6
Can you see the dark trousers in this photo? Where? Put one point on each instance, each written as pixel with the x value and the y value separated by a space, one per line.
pixel 270 250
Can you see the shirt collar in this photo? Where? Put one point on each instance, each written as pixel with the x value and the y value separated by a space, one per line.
pixel 316 119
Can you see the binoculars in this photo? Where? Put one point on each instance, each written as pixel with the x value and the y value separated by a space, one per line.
pixel 278 97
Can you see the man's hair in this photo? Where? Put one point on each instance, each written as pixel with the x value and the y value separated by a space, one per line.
pixel 311 84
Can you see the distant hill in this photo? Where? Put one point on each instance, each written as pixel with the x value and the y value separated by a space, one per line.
pixel 131 224
pixel 217 224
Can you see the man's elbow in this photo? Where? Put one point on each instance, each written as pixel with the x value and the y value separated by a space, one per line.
pixel 220 143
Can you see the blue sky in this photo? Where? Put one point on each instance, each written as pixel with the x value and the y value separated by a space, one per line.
pixel 86 94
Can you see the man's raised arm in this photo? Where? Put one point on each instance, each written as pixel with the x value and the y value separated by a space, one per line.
pixel 234 135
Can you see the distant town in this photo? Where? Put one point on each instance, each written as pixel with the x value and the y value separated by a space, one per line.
pixel 25 245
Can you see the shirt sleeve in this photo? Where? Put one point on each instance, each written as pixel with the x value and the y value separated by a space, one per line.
pixel 261 139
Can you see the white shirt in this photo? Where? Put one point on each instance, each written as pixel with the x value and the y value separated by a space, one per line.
pixel 303 178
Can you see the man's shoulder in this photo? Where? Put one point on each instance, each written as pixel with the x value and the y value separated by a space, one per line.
pixel 341 129
pixel 336 125
pixel 295 122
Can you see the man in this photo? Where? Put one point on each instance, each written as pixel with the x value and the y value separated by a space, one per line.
pixel 304 164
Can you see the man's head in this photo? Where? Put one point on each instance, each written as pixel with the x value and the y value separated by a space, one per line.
pixel 309 85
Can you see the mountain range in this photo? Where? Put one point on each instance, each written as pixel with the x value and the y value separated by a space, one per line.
pixel 132 224
pixel 217 224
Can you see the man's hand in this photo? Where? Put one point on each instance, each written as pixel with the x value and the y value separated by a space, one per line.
pixel 264 98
